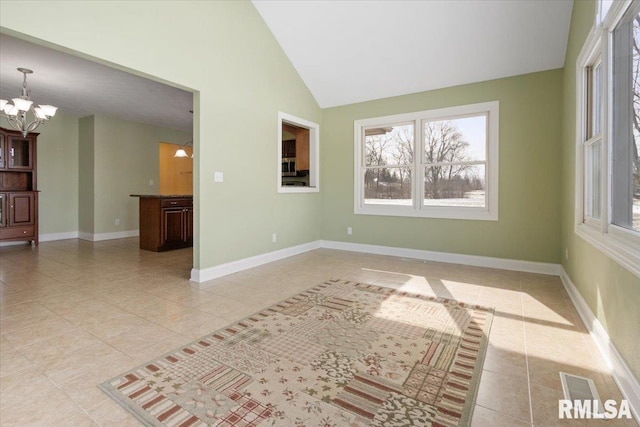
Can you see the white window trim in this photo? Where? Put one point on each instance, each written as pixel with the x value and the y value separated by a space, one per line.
pixel 592 50
pixel 314 154
pixel 619 244
pixel 487 213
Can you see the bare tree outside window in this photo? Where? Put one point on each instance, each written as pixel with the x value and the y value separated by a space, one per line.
pixel 635 148
pixel 625 136
pixel 389 165
pixel 455 158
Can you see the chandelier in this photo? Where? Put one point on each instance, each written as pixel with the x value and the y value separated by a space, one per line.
pixel 16 113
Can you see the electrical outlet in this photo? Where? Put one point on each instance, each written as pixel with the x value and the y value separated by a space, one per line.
pixel 274 237
pixel 566 253
pixel 349 230
pixel 218 177
pixel 117 221
pixel 150 182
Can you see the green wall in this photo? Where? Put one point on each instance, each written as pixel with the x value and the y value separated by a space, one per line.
pixel 612 292
pixel 125 161
pixel 241 78
pixel 86 185
pixel 529 195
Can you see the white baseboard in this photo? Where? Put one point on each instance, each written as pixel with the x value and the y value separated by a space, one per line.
pixel 16 243
pixel 108 236
pixel 200 276
pixel 452 258
pixel 622 375
pixel 50 237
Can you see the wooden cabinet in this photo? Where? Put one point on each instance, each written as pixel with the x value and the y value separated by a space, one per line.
pixel 297 148
pixel 166 222
pixel 289 148
pixel 188 226
pixel 302 149
pixel 2 150
pixel 18 191
pixel 3 210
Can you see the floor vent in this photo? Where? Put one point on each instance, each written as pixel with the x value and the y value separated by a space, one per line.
pixel 579 388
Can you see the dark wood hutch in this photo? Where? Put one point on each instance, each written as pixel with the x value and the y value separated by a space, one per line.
pixel 18 187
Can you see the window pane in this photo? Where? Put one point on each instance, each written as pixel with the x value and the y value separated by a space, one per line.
pixel 387 186
pixel 593 200
pixel 596 107
pixel 456 140
pixel 389 145
pixel 455 185
pixel 635 142
pixel 625 178
pixel 636 189
pixel 604 8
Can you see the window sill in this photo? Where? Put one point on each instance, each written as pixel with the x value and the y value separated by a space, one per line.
pixel 613 247
pixel 296 189
pixel 441 213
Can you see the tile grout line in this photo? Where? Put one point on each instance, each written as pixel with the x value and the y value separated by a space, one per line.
pixel 526 356
pixel 502 414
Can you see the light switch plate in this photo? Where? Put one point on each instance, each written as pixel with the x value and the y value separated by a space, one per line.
pixel 218 177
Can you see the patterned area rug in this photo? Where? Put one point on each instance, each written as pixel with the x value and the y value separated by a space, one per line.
pixel 340 354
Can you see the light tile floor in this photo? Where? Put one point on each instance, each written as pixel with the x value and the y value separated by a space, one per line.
pixel 74 314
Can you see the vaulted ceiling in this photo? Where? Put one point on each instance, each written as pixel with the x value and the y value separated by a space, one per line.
pixel 354 51
pixel 345 51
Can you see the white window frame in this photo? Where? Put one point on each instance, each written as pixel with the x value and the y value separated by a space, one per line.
pixel 487 213
pixel 314 154
pixel 592 56
pixel 616 242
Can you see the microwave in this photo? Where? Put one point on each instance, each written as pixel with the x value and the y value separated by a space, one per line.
pixel 289 167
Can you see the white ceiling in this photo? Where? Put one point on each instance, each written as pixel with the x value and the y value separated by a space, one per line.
pixel 345 51
pixel 353 51
pixel 80 87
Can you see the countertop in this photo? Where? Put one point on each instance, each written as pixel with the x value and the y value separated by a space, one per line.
pixel 164 196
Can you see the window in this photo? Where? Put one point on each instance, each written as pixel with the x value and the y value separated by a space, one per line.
pixel 593 143
pixel 298 155
pixel 625 162
pixel 388 165
pixel 438 163
pixel 608 135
